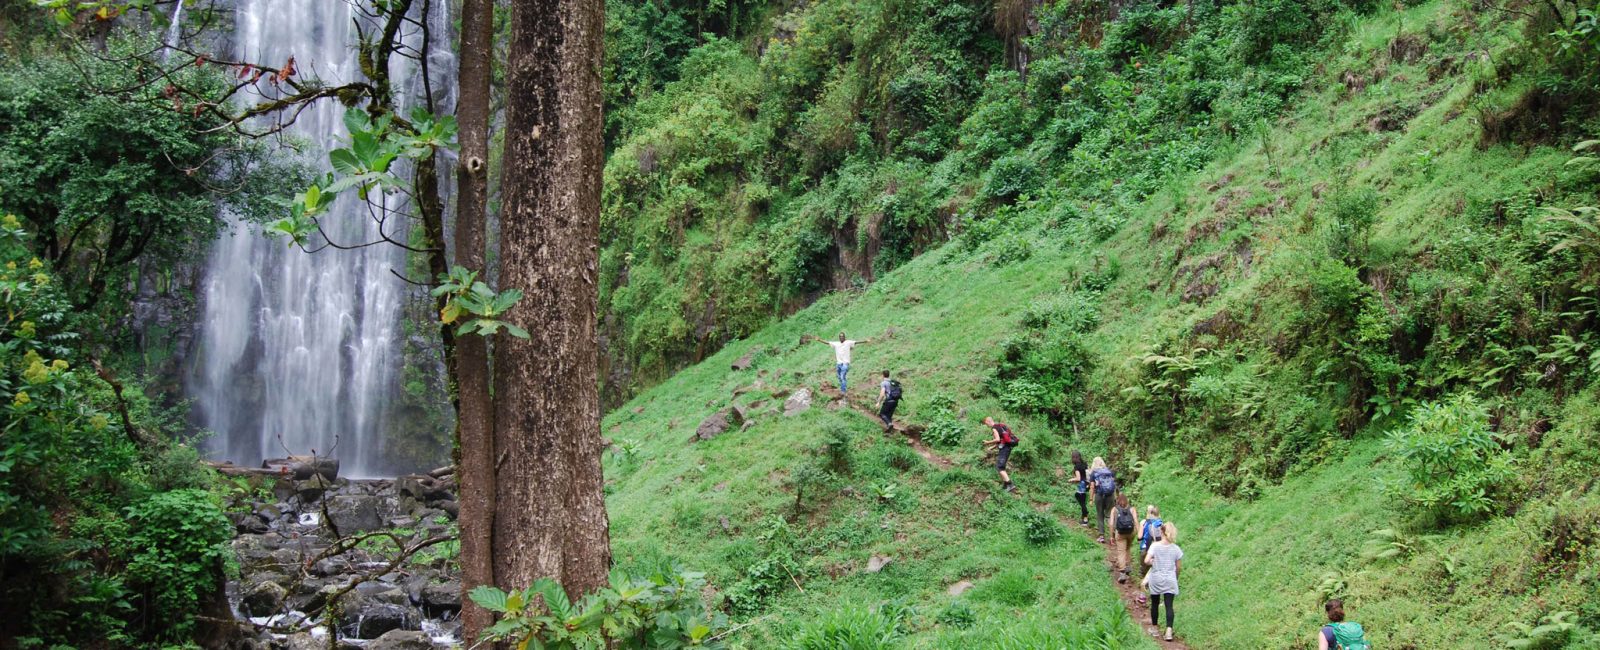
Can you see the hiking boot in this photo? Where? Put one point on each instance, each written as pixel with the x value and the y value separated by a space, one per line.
pixel 1102 540
pixel 1085 522
pixel 1122 579
pixel 1169 634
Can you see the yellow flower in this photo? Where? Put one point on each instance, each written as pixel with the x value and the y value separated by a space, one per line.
pixel 12 266
pixel 21 399
pixel 36 373
pixel 35 264
pixel 11 221
pixel 26 329
pixel 41 279
pixel 99 421
pixel 58 364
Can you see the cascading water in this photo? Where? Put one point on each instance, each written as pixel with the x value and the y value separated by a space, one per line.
pixel 298 351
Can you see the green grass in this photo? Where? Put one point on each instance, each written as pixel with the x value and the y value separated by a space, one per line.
pixel 1256 558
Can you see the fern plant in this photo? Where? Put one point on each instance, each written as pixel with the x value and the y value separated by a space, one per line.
pixel 1552 631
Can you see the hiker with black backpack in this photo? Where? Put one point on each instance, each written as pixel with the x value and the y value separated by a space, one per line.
pixel 1003 441
pixel 1080 480
pixel 1103 484
pixel 1340 634
pixel 1123 523
pixel 888 399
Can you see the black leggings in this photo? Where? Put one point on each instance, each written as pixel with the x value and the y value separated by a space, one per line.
pixel 1155 607
pixel 1083 504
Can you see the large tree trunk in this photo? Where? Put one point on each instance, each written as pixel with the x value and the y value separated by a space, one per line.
pixel 550 516
pixel 474 405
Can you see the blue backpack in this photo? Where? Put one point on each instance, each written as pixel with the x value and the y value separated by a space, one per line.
pixel 1105 482
pixel 1146 535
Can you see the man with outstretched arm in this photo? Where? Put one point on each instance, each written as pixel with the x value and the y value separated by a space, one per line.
pixel 841 356
pixel 1002 441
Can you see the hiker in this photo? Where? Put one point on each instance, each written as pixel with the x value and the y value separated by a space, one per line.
pixel 1149 532
pixel 1103 483
pixel 1080 476
pixel 1123 524
pixel 1165 560
pixel 1340 634
pixel 841 356
pixel 1003 441
pixel 888 398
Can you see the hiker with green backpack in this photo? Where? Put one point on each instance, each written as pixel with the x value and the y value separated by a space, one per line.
pixel 1340 634
pixel 888 399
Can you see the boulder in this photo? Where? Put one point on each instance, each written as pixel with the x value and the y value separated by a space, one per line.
pixel 877 562
pixel 959 588
pixel 372 620
pixel 246 523
pixel 441 598
pixel 740 413
pixel 312 488
pixel 441 472
pixel 401 640
pixel 714 425
pixel 355 514
pixel 451 509
pixel 264 598
pixel 745 361
pixel 423 488
pixel 301 468
pixel 797 402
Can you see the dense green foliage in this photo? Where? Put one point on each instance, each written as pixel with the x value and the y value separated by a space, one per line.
pixel 663 611
pixel 1351 334
pixel 105 534
pixel 115 164
pixel 839 139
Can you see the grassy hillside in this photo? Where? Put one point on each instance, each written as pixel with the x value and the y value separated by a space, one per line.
pixel 1257 328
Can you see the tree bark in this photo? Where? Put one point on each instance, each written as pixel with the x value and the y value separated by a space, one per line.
pixel 474 406
pixel 550 518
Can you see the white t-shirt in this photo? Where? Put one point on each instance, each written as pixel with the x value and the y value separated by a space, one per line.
pixel 841 350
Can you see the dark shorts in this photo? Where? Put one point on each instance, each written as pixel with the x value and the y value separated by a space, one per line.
pixel 1000 460
pixel 887 410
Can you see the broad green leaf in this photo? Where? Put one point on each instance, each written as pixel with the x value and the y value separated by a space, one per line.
pixel 489 598
pixel 344 161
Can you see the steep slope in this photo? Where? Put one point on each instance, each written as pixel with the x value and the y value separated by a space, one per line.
pixel 1255 327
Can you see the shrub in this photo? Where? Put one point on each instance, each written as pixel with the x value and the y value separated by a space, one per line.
pixel 1455 467
pixel 1014 587
pixel 176 551
pixel 1011 249
pixel 837 449
pixel 661 611
pixel 958 614
pixel 944 430
pixel 853 627
pixel 1011 177
pixel 1039 529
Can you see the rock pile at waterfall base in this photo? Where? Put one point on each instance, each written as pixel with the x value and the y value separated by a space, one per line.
pixel 311 580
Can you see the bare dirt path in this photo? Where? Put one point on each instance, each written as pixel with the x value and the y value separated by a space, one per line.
pixel 1130 590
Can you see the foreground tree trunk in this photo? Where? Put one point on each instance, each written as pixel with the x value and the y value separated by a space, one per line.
pixel 550 518
pixel 474 403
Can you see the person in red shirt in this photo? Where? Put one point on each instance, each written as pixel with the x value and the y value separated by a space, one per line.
pixel 1003 441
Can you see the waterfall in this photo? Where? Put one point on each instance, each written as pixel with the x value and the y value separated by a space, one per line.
pixel 299 352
